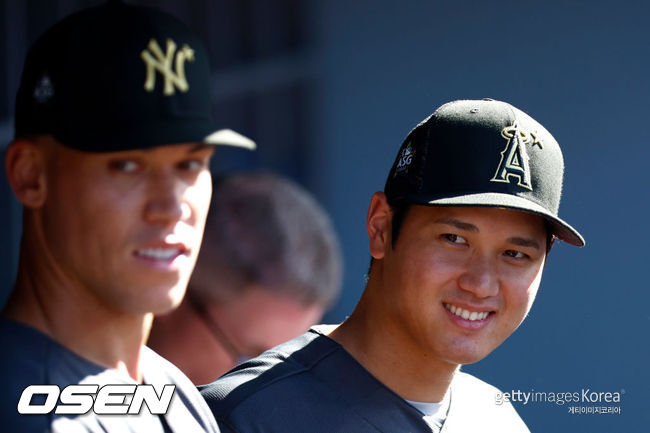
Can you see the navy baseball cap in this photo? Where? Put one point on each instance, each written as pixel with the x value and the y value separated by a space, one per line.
pixel 118 77
pixel 482 153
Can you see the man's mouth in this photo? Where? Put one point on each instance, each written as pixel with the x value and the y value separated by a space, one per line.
pixel 159 253
pixel 467 314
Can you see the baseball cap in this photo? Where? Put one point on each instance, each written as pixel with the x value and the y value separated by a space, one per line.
pixel 118 77
pixel 482 153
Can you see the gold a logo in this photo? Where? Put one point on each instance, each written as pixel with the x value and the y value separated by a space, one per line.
pixel 155 60
pixel 514 158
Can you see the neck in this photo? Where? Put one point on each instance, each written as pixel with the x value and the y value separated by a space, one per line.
pixel 71 314
pixel 180 334
pixel 390 355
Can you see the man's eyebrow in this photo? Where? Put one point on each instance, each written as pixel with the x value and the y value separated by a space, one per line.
pixel 199 147
pixel 195 148
pixel 462 225
pixel 524 242
pixel 457 223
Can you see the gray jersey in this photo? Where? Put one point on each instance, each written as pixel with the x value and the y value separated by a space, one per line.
pixel 311 384
pixel 32 358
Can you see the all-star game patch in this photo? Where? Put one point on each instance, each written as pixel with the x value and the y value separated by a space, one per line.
pixel 405 159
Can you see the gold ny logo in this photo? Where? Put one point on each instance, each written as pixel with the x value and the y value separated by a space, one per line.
pixel 157 61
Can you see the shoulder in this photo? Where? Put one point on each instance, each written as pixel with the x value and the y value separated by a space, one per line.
pixel 36 359
pixel 33 359
pixel 276 365
pixel 188 407
pixel 470 395
pixel 268 389
pixel 22 365
pixel 29 349
pixel 307 384
pixel 157 368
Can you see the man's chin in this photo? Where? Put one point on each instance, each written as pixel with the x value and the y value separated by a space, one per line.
pixel 466 358
pixel 174 299
pixel 166 299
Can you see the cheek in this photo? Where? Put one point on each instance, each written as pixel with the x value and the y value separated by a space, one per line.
pixel 419 281
pixel 110 209
pixel 94 211
pixel 524 290
pixel 534 287
pixel 429 269
pixel 197 196
pixel 413 303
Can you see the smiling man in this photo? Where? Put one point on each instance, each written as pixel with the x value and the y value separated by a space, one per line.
pixel 111 164
pixel 458 239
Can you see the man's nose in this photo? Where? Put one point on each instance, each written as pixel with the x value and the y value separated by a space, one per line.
pixel 480 277
pixel 165 202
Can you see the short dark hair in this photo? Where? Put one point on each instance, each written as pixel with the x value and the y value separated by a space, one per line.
pixel 400 211
pixel 265 229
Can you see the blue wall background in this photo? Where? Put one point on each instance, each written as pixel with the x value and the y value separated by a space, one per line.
pixel 580 68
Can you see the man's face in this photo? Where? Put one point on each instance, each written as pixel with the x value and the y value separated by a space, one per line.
pixel 460 280
pixel 126 227
pixel 260 319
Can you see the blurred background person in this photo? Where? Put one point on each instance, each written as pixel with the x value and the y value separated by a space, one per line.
pixel 269 267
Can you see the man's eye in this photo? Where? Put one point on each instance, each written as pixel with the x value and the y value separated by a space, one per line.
pixel 193 165
pixel 515 254
pixel 454 239
pixel 125 166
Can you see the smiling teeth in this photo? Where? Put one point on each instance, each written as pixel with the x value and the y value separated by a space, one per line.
pixel 465 314
pixel 159 253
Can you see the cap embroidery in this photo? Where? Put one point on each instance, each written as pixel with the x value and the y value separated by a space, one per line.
pixel 514 157
pixel 163 64
pixel 43 91
pixel 536 140
pixel 405 159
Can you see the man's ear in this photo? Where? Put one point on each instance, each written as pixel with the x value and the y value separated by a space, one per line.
pixel 378 224
pixel 25 167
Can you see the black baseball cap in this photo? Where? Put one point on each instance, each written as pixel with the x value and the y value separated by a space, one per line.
pixel 482 153
pixel 119 77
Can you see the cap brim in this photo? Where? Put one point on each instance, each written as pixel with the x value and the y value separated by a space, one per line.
pixel 561 229
pixel 228 137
